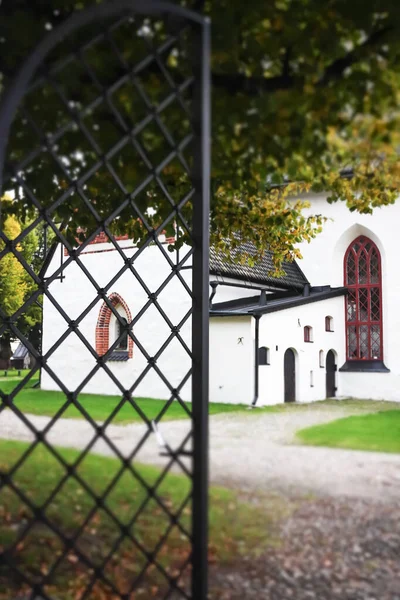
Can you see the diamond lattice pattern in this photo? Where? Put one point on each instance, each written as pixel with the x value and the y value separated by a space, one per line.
pixel 104 170
pixel 363 302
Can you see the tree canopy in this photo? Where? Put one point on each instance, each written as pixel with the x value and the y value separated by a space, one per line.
pixel 305 98
pixel 16 285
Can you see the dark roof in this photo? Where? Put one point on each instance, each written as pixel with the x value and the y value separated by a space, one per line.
pixel 260 272
pixel 257 305
pixel 20 352
pixel 345 173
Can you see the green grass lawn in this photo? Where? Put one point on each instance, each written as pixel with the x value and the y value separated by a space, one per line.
pixel 41 402
pixel 236 528
pixel 99 407
pixel 377 432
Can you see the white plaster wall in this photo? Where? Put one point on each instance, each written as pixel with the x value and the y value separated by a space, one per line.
pixel 231 365
pixel 285 329
pixel 231 371
pixel 232 360
pixel 323 264
pixel 72 361
pixel 232 341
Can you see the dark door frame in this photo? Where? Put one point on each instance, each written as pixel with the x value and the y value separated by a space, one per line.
pixel 330 377
pixel 289 375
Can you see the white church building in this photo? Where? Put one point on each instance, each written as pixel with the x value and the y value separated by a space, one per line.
pixel 329 328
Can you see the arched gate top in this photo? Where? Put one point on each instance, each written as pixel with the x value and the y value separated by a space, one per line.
pixel 19 85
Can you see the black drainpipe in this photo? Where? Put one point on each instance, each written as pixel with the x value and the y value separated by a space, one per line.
pixel 214 285
pixel 256 359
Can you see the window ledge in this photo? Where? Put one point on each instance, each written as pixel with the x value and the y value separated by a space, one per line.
pixel 364 366
pixel 119 356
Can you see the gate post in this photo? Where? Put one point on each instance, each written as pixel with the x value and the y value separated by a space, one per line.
pixel 200 329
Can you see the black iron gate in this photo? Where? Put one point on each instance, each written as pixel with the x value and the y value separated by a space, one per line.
pixel 105 139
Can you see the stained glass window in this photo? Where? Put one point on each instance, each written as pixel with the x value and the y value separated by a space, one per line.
pixel 363 279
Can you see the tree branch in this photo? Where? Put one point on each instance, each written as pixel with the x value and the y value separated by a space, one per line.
pixel 237 82
pixel 336 69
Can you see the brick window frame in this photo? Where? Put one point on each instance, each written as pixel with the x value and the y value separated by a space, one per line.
pixel 103 325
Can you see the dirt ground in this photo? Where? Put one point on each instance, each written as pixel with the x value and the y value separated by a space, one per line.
pixel 328 549
pixel 253 451
pixel 336 535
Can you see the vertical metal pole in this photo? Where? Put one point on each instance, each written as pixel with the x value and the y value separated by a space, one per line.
pixel 200 286
pixel 256 358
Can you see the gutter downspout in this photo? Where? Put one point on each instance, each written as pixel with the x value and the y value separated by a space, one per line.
pixel 214 285
pixel 256 359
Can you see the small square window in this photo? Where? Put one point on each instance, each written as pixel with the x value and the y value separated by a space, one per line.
pixel 263 356
pixel 328 323
pixel 308 334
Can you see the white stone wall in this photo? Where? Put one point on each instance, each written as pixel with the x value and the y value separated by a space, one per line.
pixel 232 363
pixel 72 362
pixel 232 359
pixel 323 264
pixel 285 329
pixel 232 343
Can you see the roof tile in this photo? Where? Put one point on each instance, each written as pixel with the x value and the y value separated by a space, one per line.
pixel 260 272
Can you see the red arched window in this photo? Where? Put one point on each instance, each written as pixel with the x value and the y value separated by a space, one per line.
pixel 363 278
pixel 105 337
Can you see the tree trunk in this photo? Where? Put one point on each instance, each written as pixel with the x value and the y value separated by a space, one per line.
pixel 5 352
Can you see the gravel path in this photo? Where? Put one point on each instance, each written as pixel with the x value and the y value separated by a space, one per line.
pixel 341 542
pixel 254 452
pixel 330 549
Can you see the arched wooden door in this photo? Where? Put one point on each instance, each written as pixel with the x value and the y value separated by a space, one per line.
pixel 330 375
pixel 290 376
